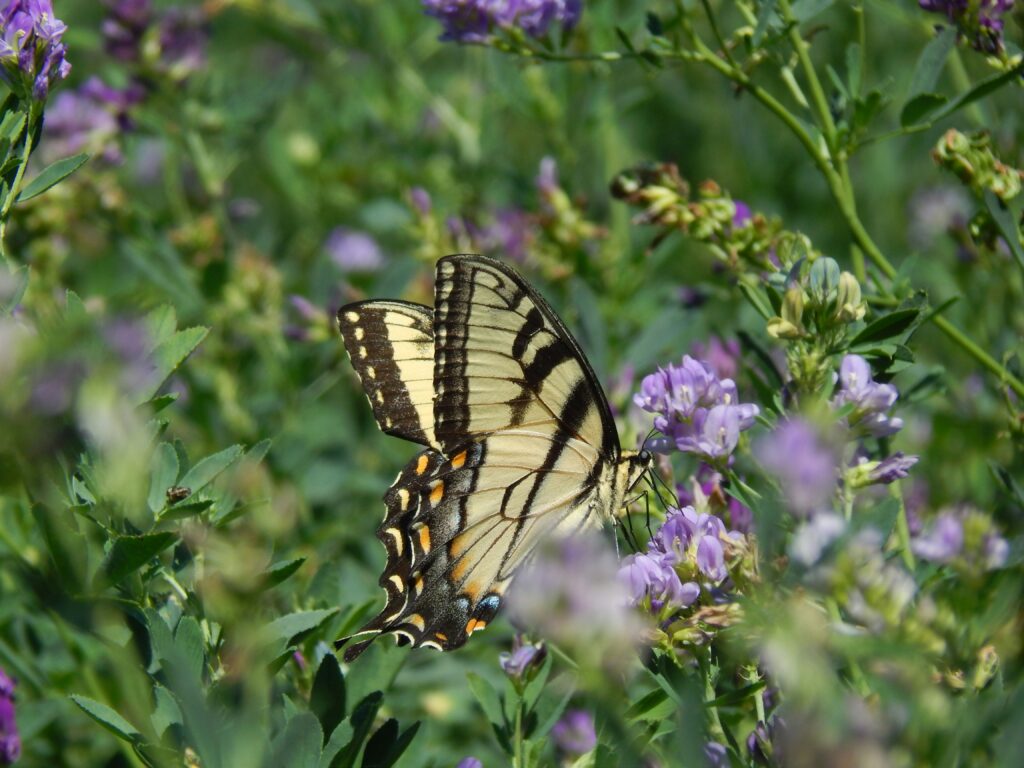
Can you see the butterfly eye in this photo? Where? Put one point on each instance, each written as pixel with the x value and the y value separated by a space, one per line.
pixel 645 457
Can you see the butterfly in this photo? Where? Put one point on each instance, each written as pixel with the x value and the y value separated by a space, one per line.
pixel 520 445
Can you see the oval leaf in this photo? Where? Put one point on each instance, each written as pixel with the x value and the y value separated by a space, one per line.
pixel 107 717
pixel 51 175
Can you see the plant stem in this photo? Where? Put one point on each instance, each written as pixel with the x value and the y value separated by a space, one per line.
pixel 34 113
pixel 818 99
pixel 517 760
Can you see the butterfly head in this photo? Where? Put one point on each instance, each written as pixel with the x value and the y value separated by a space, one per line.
pixel 628 471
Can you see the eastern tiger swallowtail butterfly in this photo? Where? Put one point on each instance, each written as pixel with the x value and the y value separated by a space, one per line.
pixel 520 444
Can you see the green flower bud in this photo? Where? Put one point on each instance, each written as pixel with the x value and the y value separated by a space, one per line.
pixel 850 307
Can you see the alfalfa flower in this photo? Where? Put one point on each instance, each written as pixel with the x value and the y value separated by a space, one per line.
pixel 980 21
pixel 10 740
pixel 871 400
pixel 574 734
pixel 473 21
pixel 32 54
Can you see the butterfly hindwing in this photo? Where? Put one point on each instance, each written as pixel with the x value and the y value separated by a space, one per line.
pixel 391 346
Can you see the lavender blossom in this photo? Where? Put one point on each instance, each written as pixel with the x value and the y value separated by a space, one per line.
pixel 574 733
pixel 814 536
pixel 891 469
pixel 420 199
pixel 944 542
pixel 524 659
pixel 32 54
pixel 571 583
pixel 183 37
pixel 469 762
pixel 124 27
pixel 651 575
pixel 695 410
pixel 687 536
pixel 472 21
pixel 716 754
pixel 870 400
pixel 10 741
pixel 741 215
pixel 804 464
pixel 980 21
pixel 722 357
pixel 353 251
pixel 91 118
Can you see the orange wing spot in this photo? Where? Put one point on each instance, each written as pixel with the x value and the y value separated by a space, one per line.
pixel 441 636
pixel 416 620
pixel 458 460
pixel 460 569
pixel 473 625
pixel 458 546
pixel 421 465
pixel 437 493
pixel 425 539
pixel 472 590
pixel 418 585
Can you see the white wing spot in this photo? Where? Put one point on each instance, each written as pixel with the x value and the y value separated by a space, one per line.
pixel 380 396
pixel 362 353
pixel 359 333
pixel 370 373
pixel 352 317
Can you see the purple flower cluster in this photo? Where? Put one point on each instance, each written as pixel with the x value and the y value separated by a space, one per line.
pixel 805 464
pixel 32 53
pixel 870 400
pixel 696 411
pixel 980 20
pixel 180 33
pixel 524 659
pixel 687 541
pixel 10 741
pixel 965 535
pixel 90 118
pixel 124 27
pixel 471 21
pixel 353 251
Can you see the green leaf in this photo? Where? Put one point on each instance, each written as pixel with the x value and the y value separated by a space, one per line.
pixel 931 61
pixel 853 73
pixel 169 354
pixel 259 451
pixel 489 700
pixel 548 710
pixel 1006 217
pixel 284 629
pixel 804 10
pixel 327 697
pixel 166 712
pixel 129 553
pixel 160 324
pixel 51 175
pixel 342 736
pixel 361 720
pixel 12 288
pixel 919 107
pixel 107 717
pixel 163 472
pixel 298 745
pixel 736 696
pixel 278 572
pixel 652 707
pixel 189 643
pixel 188 509
pixel 886 327
pixel 207 469
pixel 767 19
pixel 386 745
pixel 979 90
pixel 535 687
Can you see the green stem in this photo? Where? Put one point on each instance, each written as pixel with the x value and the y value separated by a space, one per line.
pixel 34 113
pixel 902 528
pixel 717 33
pixel 818 99
pixel 518 758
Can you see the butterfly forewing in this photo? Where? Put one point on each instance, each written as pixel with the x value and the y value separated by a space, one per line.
pixel 391 345
pixel 504 360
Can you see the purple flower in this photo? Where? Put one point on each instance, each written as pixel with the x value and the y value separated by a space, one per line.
pixel 420 199
pixel 944 542
pixel 574 733
pixel 651 575
pixel 870 400
pixel 91 118
pixel 10 741
pixel 524 659
pixel 980 21
pixel 804 464
pixel 547 177
pixel 353 251
pixel 469 762
pixel 124 27
pixel 695 410
pixel 716 754
pixel 722 357
pixel 891 469
pixel 32 56
pixel 741 215
pixel 471 21
pixel 689 536
pixel 183 37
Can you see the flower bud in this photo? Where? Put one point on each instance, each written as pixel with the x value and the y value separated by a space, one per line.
pixel 850 307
